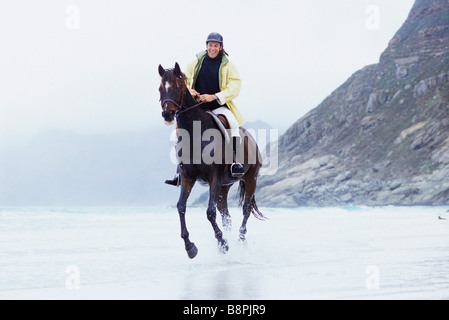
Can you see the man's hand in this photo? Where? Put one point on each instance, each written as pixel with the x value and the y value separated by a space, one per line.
pixel 194 93
pixel 206 98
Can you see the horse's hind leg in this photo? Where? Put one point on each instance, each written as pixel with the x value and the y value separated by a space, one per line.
pixel 186 188
pixel 222 206
pixel 247 190
pixel 212 215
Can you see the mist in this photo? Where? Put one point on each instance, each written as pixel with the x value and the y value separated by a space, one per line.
pixel 77 76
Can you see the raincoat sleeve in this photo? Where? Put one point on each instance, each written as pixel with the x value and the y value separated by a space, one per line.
pixel 230 86
pixel 190 72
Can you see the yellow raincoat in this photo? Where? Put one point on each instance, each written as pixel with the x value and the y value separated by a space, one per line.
pixel 229 81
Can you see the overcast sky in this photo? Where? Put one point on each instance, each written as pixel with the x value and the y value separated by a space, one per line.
pixel 90 66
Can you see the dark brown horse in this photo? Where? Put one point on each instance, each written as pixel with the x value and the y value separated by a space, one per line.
pixel 177 103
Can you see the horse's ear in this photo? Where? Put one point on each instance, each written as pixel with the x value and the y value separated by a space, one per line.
pixel 161 71
pixel 177 70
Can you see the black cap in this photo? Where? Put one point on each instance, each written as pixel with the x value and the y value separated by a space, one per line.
pixel 215 37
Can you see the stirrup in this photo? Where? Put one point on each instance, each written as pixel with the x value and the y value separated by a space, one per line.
pixel 176 181
pixel 237 170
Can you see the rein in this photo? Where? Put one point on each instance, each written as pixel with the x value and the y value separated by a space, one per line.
pixel 187 109
pixel 180 108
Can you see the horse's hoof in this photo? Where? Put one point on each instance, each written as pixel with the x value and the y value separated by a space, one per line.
pixel 192 252
pixel 223 246
pixel 227 227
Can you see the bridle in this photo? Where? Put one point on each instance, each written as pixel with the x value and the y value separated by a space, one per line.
pixel 180 108
pixel 172 101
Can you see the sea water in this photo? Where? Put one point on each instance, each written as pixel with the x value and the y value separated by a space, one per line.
pixel 303 253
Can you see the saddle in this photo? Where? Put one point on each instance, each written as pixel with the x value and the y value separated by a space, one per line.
pixel 224 121
pixel 223 124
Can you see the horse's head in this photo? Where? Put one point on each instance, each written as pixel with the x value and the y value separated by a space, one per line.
pixel 172 90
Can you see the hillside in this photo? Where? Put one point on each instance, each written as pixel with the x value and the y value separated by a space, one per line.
pixel 382 138
pixel 62 168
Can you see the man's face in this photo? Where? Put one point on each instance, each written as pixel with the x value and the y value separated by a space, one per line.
pixel 213 49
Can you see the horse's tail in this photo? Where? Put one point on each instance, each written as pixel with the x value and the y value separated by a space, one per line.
pixel 252 202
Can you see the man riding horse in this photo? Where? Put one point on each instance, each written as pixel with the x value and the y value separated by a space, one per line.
pixel 214 81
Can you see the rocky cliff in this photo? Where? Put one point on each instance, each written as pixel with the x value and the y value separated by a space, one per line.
pixel 382 138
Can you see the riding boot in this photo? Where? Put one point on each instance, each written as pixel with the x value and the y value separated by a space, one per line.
pixel 176 181
pixel 237 169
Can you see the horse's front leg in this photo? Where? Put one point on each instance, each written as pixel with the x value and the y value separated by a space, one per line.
pixel 214 189
pixel 186 187
pixel 222 206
